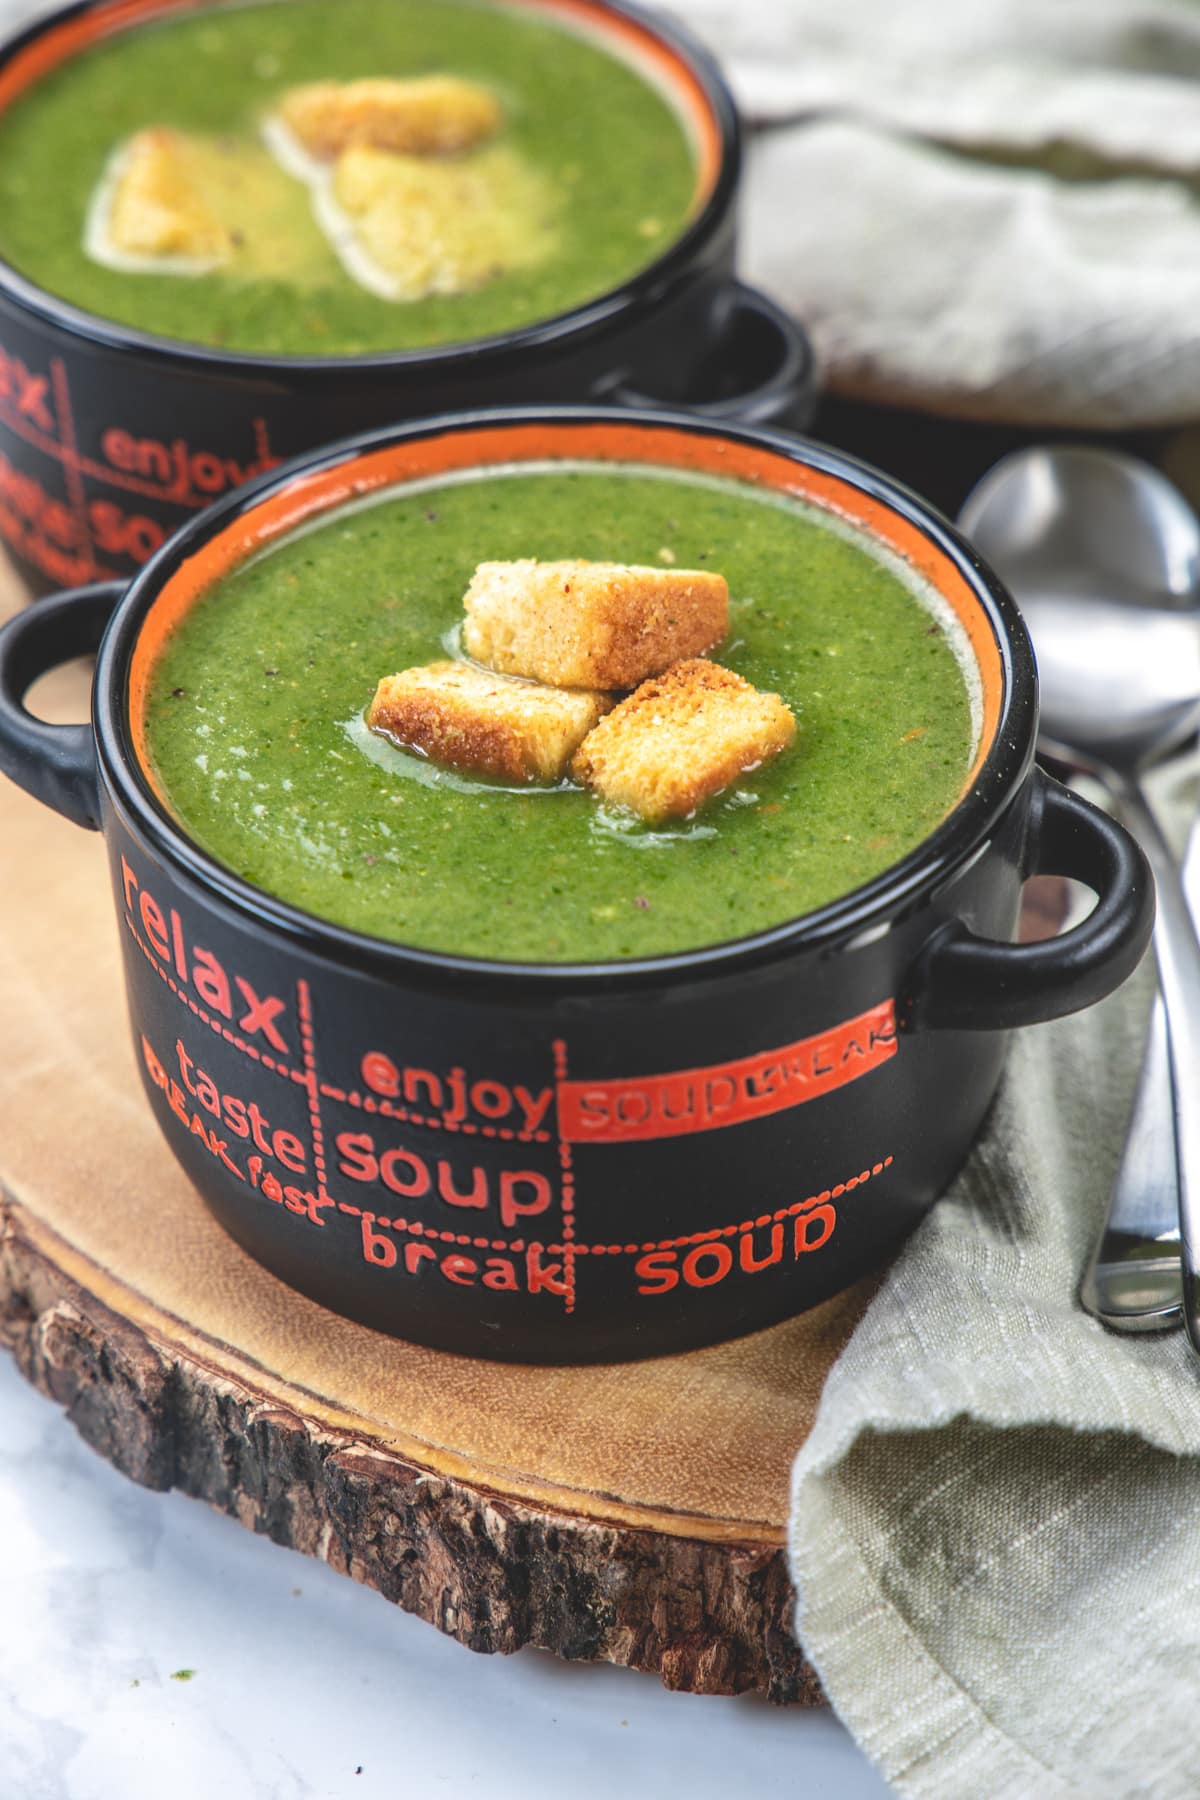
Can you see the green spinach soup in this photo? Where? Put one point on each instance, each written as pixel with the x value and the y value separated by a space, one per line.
pixel 585 174
pixel 255 733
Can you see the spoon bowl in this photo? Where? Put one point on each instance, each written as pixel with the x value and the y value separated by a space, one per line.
pixel 1093 522
pixel 1119 684
pixel 1102 554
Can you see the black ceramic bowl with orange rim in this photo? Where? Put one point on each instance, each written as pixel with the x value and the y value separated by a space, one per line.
pixel 728 1135
pixel 110 438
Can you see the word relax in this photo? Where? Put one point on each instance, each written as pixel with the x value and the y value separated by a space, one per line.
pixel 231 995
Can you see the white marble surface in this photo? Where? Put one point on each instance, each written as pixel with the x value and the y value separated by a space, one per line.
pixel 302 1679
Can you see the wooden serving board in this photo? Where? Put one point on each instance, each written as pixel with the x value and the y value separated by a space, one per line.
pixel 633 1514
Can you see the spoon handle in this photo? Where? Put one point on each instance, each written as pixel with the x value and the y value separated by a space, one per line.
pixel 1178 954
pixel 1133 1281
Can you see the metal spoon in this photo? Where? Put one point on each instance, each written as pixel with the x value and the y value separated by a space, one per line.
pixel 1103 555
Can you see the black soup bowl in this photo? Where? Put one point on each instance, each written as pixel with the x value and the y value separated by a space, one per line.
pixel 568 1163
pixel 110 438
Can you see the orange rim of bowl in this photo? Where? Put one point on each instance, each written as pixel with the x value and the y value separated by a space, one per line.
pixel 634 43
pixel 308 496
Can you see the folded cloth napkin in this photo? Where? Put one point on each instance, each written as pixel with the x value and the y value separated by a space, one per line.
pixel 995 1530
pixel 985 210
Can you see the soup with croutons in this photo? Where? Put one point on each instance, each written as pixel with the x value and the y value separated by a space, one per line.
pixel 853 678
pixel 336 177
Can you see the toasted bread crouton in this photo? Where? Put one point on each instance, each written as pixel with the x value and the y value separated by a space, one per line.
pixel 429 115
pixel 155 206
pixel 490 724
pixel 418 227
pixel 591 624
pixel 681 738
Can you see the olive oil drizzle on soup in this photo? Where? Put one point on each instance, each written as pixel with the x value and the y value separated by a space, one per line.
pixel 255 733
pixel 611 151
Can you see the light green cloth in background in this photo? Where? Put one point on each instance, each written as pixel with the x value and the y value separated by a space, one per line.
pixel 995 1533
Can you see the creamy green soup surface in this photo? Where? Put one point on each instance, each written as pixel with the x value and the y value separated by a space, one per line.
pixel 614 156
pixel 255 730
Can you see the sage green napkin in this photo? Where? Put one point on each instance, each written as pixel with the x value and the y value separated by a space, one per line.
pixel 995 1531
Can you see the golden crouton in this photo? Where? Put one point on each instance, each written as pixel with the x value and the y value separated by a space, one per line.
pixel 430 115
pixel 681 738
pixel 419 227
pixel 156 208
pixel 591 624
pixel 490 724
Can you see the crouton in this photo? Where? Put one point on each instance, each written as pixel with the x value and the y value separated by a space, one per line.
pixel 154 207
pixel 591 624
pixel 681 738
pixel 489 724
pixel 407 227
pixel 429 115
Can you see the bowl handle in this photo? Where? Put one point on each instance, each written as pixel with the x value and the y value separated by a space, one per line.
pixel 965 983
pixel 759 369
pixel 54 763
